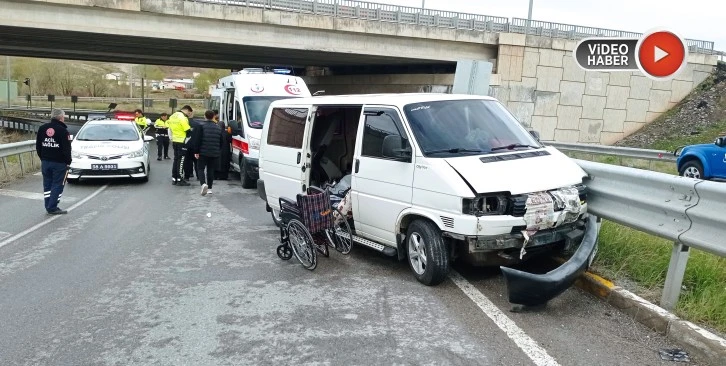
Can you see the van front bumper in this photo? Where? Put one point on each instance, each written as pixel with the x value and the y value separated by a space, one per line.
pixel 531 289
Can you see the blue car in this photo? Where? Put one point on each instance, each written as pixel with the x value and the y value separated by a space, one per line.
pixel 704 161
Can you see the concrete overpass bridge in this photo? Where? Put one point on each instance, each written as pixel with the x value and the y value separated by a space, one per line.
pixel 397 49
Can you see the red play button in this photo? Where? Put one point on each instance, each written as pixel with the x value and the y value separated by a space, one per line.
pixel 661 54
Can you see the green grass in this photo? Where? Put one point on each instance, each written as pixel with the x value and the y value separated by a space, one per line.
pixel 706 136
pixel 643 258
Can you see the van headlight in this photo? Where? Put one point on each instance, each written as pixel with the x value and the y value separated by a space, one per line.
pixel 136 154
pixel 485 205
pixel 254 143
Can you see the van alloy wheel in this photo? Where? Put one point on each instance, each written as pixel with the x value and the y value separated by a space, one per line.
pixel 428 254
pixel 417 253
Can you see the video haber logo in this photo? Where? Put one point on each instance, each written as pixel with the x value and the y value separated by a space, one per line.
pixel 659 54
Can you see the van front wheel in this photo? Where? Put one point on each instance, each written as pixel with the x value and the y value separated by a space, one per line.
pixel 427 254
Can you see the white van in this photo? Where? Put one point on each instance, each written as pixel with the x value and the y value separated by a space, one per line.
pixel 246 96
pixel 434 178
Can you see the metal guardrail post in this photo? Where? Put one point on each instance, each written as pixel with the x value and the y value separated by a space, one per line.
pixel 674 278
pixel 5 167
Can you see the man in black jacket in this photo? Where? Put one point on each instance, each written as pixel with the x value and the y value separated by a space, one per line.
pixel 206 144
pixel 53 145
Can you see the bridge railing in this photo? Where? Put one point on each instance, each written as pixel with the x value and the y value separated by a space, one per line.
pixel 560 30
pixel 441 18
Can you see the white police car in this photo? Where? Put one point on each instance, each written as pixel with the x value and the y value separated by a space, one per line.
pixel 110 148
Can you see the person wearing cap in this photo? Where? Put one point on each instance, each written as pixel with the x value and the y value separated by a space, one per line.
pixel 53 146
pixel 180 132
pixel 162 136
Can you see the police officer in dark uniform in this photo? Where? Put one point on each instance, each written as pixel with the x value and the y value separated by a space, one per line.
pixel 53 146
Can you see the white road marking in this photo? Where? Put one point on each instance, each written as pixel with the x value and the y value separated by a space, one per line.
pixel 30 195
pixel 51 219
pixel 536 353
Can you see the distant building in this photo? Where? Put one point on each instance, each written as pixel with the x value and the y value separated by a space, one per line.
pixel 174 84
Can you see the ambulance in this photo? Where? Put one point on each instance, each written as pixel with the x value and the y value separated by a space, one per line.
pixel 246 97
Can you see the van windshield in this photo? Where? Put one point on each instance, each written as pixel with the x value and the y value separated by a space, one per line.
pixel 457 127
pixel 256 109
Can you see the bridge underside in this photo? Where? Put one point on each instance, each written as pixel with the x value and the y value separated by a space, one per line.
pixel 59 44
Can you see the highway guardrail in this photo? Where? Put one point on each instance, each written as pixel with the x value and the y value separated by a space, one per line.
pixel 17 148
pixel 623 152
pixel 687 211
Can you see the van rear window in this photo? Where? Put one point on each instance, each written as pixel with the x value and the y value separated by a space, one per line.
pixel 287 127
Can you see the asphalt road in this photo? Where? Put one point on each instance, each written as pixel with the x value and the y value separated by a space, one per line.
pixel 153 274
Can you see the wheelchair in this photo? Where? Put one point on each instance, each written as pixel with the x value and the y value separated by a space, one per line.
pixel 310 225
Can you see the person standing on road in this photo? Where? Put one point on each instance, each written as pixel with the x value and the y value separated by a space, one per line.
pixel 206 144
pixel 190 167
pixel 224 159
pixel 180 130
pixel 162 136
pixel 140 119
pixel 53 146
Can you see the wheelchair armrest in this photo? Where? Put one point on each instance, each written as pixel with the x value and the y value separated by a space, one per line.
pixel 315 190
pixel 287 204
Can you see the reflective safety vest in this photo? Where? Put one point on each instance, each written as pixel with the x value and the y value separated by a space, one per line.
pixel 140 122
pixel 178 125
pixel 161 127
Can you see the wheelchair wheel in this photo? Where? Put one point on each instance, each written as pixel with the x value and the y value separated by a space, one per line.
pixel 302 244
pixel 284 251
pixel 341 236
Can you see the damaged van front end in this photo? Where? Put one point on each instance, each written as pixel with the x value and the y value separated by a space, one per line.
pixel 545 222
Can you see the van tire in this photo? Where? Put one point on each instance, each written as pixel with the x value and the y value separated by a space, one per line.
pixel 437 263
pixel 244 176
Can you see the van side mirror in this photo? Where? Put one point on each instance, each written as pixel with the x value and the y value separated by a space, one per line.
pixel 720 142
pixel 534 134
pixel 396 148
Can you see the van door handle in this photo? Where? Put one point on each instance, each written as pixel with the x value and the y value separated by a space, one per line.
pixel 357 165
pixel 299 156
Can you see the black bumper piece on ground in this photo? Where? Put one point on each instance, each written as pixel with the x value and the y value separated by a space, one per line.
pixel 531 289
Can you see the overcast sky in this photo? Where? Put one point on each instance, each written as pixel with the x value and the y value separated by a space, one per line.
pixel 694 19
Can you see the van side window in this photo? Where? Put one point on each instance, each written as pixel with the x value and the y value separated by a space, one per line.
pixel 377 127
pixel 287 127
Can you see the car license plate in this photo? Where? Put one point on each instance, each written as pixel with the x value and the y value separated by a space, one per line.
pixel 104 166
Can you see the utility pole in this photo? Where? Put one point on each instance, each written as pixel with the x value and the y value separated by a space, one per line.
pixel 529 19
pixel 7 74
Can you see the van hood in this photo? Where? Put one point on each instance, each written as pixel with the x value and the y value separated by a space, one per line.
pixel 102 148
pixel 518 172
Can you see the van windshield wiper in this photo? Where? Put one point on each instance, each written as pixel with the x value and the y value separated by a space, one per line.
pixel 513 146
pixel 455 150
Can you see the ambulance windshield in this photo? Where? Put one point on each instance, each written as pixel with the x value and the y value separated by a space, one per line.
pixel 256 109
